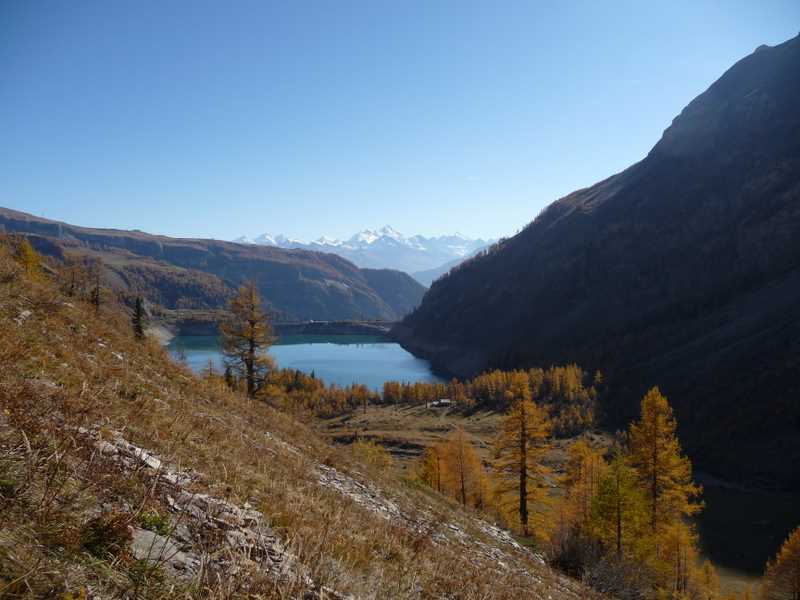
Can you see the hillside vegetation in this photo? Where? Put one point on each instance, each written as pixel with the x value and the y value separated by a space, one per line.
pixel 122 474
pixel 681 271
pixel 204 274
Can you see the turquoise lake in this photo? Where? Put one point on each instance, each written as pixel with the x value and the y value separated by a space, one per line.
pixel 339 359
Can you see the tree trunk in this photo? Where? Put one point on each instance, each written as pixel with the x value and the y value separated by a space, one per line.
pixel 461 473
pixel 251 364
pixel 654 483
pixel 523 472
pixel 619 520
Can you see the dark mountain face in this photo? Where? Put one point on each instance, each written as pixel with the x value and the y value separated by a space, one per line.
pixel 682 271
pixel 193 273
pixel 400 290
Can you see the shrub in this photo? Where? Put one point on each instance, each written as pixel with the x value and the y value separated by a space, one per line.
pixel 373 454
pixel 155 522
pixel 107 535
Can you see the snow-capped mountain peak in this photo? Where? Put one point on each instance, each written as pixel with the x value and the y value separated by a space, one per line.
pixel 266 239
pixel 243 239
pixel 364 237
pixel 390 232
pixel 327 241
pixel 384 247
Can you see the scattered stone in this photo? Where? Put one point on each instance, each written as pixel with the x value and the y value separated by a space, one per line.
pixel 22 317
pixel 158 550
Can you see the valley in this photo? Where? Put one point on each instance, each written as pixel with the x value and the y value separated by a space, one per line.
pixel 568 370
pixel 763 518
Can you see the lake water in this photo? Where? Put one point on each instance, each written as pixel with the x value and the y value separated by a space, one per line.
pixel 740 529
pixel 340 359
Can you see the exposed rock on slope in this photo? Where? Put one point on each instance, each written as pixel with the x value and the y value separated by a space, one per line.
pixel 122 474
pixel 297 284
pixel 681 271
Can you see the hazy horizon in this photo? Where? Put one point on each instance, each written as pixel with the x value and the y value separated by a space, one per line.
pixel 197 120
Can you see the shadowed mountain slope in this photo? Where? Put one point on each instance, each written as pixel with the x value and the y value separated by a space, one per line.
pixel 196 273
pixel 399 289
pixel 682 271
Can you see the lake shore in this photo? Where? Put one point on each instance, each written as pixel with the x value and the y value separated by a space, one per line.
pixel 206 323
pixel 369 359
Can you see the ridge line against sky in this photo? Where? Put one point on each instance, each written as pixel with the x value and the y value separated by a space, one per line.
pixel 198 119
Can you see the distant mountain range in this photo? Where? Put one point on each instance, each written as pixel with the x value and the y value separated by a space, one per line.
pixel 681 271
pixel 386 248
pixel 201 275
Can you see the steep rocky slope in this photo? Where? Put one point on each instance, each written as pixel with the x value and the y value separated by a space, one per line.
pixel 124 475
pixel 197 273
pixel 681 271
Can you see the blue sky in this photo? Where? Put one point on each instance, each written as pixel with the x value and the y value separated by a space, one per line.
pixel 217 119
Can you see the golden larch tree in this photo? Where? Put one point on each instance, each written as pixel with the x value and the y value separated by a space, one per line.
pixel 246 336
pixel 462 473
pixel 585 467
pixel 619 510
pixel 29 259
pixel 519 449
pixel 707 582
pixel 677 560
pixel 431 466
pixel 664 472
pixel 782 576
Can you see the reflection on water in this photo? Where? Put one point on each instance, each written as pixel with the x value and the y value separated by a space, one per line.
pixel 340 359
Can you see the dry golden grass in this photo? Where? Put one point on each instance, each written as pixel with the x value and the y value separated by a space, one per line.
pixel 63 368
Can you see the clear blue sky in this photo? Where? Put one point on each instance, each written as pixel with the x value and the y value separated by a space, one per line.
pixel 218 119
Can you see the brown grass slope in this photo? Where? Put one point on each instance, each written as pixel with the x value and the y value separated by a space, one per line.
pixel 296 284
pixel 681 271
pixel 124 475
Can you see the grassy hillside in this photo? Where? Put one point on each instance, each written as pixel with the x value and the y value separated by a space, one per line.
pixel 123 474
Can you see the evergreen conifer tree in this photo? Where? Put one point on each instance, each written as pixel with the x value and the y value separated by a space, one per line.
pixel 138 318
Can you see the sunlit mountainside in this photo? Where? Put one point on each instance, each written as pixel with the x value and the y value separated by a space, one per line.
pixel 197 274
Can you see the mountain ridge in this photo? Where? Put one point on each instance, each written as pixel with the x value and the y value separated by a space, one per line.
pixel 384 247
pixel 296 284
pixel 683 270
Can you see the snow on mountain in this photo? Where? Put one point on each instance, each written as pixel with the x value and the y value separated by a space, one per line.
pixel 363 237
pixel 385 248
pixel 326 241
pixel 265 240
